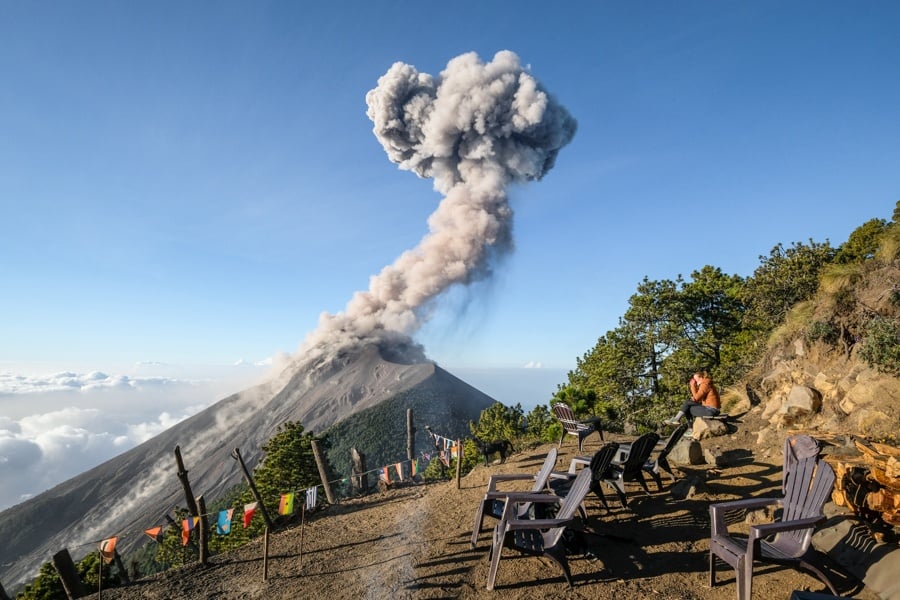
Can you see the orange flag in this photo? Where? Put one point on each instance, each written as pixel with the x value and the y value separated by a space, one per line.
pixel 187 526
pixel 108 549
pixel 155 533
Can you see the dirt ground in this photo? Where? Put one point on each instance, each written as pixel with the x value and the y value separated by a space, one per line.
pixel 413 542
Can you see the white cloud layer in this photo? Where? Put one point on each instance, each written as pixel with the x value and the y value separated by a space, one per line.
pixel 57 425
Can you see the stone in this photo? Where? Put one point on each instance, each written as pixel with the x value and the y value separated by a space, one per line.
pixel 714 456
pixel 802 401
pixel 848 542
pixel 773 405
pixel 686 452
pixel 685 488
pixel 704 428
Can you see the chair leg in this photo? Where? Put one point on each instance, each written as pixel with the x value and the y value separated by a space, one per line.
pixel 820 574
pixel 639 475
pixel 712 568
pixel 496 552
pixel 558 555
pixel 598 490
pixel 561 437
pixel 744 578
pixel 479 521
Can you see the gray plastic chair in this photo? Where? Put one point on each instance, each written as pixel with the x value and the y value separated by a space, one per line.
pixel 538 537
pixel 808 482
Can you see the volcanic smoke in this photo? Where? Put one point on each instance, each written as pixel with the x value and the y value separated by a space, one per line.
pixel 475 129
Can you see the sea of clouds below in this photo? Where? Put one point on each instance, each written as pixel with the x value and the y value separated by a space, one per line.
pixel 54 426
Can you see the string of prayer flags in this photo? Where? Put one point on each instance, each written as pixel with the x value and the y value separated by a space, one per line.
pixel 223 525
pixel 108 549
pixel 155 533
pixel 249 509
pixel 187 526
pixel 286 506
pixel 311 497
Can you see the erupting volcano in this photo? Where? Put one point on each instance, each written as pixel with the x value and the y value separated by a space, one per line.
pixel 475 129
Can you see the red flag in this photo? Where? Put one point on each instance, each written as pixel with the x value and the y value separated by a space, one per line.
pixel 108 549
pixel 249 509
pixel 155 533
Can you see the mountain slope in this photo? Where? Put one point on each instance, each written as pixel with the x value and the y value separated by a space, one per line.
pixel 134 490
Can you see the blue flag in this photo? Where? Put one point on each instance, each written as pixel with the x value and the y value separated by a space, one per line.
pixel 223 526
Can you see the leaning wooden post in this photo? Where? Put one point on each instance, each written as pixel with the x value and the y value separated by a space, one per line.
pixel 65 567
pixel 3 595
pixel 236 455
pixel 266 554
pixel 100 577
pixel 323 474
pixel 121 566
pixel 186 484
pixel 410 436
pixel 204 531
pixel 459 457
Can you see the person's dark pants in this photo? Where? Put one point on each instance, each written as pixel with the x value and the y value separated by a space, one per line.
pixel 695 409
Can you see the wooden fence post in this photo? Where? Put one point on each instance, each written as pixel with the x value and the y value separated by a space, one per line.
pixel 359 479
pixel 323 474
pixel 65 567
pixel 459 457
pixel 3 594
pixel 186 484
pixel 204 530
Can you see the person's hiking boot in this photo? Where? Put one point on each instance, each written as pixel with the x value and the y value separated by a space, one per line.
pixel 672 421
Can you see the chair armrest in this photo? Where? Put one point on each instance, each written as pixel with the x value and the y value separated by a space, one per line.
pixel 495 479
pixel 513 524
pixel 518 497
pixel 767 529
pixel 561 475
pixel 499 495
pixel 578 460
pixel 717 511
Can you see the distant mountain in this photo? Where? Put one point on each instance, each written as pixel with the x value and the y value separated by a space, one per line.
pixel 134 490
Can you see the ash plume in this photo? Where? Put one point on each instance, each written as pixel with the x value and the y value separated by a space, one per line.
pixel 475 129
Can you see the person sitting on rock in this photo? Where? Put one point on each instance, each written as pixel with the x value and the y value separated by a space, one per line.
pixel 704 400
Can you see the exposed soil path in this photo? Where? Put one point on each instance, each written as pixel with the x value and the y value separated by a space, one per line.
pixel 413 542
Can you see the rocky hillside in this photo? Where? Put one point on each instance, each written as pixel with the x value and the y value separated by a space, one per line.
pixel 815 381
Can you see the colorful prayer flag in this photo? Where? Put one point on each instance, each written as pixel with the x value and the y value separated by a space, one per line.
pixel 399 467
pixel 223 526
pixel 286 506
pixel 155 533
pixel 385 475
pixel 187 526
pixel 249 509
pixel 108 549
pixel 311 494
pixel 414 467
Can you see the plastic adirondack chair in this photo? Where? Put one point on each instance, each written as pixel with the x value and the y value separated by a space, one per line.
pixel 661 461
pixel 572 426
pixel 808 481
pixel 633 467
pixel 598 464
pixel 538 537
pixel 493 502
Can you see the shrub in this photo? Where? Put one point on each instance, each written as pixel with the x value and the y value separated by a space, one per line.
pixel 881 345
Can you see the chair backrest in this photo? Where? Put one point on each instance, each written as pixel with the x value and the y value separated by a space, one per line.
pixel 641 449
pixel 808 482
pixel 674 438
pixel 602 459
pixel 569 505
pixel 566 416
pixel 543 475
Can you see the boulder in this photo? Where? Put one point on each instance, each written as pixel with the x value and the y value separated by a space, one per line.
pixel 686 452
pixel 704 428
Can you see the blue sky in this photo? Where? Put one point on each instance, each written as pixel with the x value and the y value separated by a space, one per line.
pixel 189 185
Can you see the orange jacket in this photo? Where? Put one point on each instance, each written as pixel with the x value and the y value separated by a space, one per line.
pixel 705 393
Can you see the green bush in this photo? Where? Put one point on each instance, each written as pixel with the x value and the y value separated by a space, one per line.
pixel 823 331
pixel 881 345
